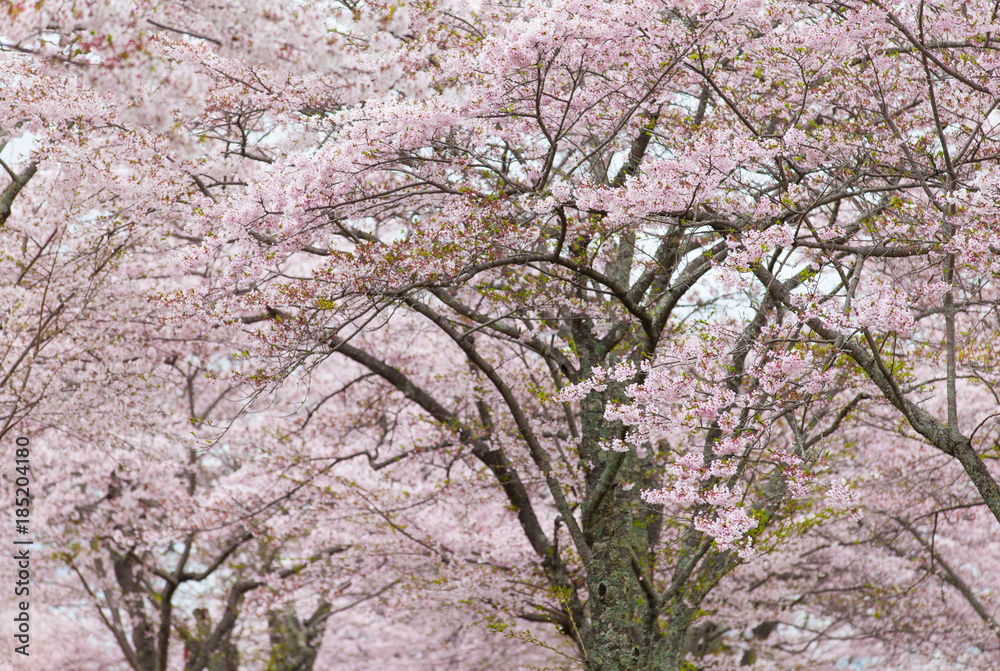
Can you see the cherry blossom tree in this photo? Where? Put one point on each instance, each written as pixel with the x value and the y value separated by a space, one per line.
pixel 605 315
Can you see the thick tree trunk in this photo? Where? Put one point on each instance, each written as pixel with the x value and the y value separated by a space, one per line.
pixel 295 643
pixel 627 622
pixel 614 590
pixel 225 658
